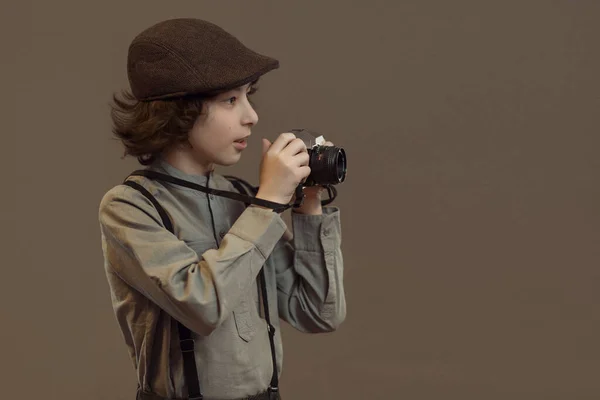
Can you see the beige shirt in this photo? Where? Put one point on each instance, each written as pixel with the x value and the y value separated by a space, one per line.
pixel 209 284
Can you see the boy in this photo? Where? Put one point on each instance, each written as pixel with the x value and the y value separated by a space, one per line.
pixel 187 295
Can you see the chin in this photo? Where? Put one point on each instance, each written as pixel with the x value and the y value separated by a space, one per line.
pixel 229 162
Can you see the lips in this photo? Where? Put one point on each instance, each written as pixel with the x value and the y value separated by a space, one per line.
pixel 240 144
pixel 242 140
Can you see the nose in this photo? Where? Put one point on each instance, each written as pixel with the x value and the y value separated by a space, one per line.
pixel 250 115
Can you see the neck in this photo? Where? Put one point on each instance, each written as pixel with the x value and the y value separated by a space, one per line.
pixel 185 161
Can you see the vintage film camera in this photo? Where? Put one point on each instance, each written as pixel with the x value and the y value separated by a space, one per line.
pixel 327 163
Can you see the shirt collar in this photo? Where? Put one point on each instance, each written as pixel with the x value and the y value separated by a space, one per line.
pixel 160 165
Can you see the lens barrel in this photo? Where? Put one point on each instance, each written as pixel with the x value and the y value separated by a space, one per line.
pixel 327 164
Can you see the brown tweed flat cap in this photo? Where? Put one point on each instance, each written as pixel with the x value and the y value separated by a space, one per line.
pixel 181 57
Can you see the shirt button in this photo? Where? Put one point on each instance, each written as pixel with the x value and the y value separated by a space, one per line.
pixel 326 232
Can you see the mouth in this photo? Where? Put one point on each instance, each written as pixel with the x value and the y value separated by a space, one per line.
pixel 241 144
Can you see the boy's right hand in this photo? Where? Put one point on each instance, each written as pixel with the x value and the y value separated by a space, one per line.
pixel 284 165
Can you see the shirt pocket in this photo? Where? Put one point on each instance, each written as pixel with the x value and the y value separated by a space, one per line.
pixel 245 315
pixel 246 319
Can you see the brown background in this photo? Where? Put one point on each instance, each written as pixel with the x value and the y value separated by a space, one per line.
pixel 470 214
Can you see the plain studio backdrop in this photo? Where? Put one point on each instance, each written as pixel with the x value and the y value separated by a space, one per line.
pixel 469 215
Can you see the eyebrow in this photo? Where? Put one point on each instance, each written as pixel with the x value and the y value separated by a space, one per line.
pixel 248 85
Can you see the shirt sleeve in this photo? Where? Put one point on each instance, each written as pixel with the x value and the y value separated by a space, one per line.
pixel 199 291
pixel 309 269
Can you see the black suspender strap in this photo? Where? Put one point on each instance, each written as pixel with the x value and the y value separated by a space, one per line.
pixel 239 184
pixel 274 385
pixel 186 342
pixel 161 211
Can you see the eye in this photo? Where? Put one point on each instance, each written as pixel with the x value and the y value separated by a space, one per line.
pixel 231 100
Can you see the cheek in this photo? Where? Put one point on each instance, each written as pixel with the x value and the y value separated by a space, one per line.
pixel 195 138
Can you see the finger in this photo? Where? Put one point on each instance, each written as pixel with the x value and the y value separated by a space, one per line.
pixel 282 141
pixel 265 145
pixel 304 172
pixel 294 147
pixel 302 159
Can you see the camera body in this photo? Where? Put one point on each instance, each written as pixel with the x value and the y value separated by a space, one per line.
pixel 327 163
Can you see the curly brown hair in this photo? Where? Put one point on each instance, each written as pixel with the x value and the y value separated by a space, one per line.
pixel 147 128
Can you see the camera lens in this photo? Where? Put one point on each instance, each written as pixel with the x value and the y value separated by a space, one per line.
pixel 341 165
pixel 328 165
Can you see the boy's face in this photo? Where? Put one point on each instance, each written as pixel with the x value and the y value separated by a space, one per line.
pixel 219 135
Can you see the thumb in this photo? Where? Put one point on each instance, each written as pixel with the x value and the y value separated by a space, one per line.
pixel 265 145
